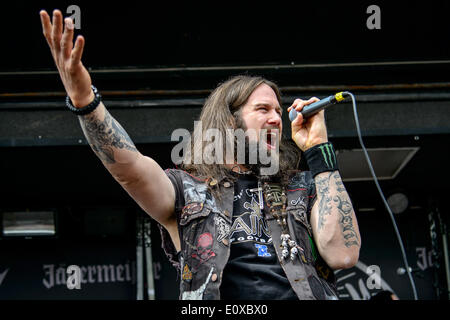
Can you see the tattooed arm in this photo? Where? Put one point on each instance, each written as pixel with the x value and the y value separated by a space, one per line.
pixel 107 136
pixel 334 222
pixel 333 219
pixel 140 176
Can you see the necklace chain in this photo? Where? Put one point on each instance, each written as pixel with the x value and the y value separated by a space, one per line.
pixel 276 199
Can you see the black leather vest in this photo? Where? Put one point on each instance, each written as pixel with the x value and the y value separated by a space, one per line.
pixel 204 224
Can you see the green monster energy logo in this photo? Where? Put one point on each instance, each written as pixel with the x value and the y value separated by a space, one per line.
pixel 327 152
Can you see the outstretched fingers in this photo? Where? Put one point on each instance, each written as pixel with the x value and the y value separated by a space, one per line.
pixel 46 26
pixel 61 43
pixel 77 52
pixel 57 30
pixel 67 38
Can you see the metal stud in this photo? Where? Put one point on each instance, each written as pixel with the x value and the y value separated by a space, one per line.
pixel 294 252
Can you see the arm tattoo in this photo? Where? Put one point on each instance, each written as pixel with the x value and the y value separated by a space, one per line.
pixel 105 135
pixel 345 209
pixel 323 192
pixel 346 221
pixel 342 203
pixel 339 184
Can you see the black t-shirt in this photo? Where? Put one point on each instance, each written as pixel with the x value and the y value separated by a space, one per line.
pixel 253 270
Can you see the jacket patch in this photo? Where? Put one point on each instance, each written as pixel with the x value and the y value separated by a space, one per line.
pixel 187 273
pixel 198 192
pixel 323 271
pixel 299 202
pixel 197 294
pixel 191 208
pixel 203 251
pixel 223 228
pixel 298 181
pixel 262 250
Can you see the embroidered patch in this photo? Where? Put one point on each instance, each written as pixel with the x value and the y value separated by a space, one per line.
pixel 262 250
pixel 187 274
pixel 191 208
pixel 223 228
pixel 204 247
pixel 298 181
pixel 197 294
pixel 299 202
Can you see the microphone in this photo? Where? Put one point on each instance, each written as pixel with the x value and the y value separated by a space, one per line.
pixel 315 107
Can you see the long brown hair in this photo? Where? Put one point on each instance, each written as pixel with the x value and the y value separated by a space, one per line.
pixel 222 111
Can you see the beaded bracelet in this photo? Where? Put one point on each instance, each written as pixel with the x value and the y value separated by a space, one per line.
pixel 87 109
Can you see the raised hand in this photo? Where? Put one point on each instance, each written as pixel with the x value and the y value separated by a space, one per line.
pixel 67 57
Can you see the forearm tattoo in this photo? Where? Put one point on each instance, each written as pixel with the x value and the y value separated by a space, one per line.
pixel 323 193
pixel 105 135
pixel 339 184
pixel 342 203
pixel 345 209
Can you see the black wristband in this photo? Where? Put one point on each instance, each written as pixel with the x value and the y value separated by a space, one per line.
pixel 321 158
pixel 87 109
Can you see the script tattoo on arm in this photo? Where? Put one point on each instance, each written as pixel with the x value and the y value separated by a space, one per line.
pixel 339 183
pixel 345 210
pixel 323 193
pixel 105 135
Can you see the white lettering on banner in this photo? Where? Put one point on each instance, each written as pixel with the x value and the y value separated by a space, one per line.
pixel 91 271
pixel 55 275
pixel 83 273
pixel 425 260
pixel 119 273
pixel 61 276
pixel 49 282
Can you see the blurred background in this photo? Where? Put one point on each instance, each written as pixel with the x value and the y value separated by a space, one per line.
pixel 155 64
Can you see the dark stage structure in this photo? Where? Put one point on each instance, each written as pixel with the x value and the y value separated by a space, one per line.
pixel 155 65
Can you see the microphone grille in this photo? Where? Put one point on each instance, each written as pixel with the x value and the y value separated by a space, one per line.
pixel 292 114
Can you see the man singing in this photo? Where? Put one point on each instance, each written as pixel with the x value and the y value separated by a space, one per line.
pixel 232 229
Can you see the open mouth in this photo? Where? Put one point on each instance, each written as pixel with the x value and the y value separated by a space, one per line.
pixel 271 138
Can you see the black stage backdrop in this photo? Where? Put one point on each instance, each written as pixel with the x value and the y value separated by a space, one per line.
pixel 122 36
pixel 36 268
pixel 104 247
